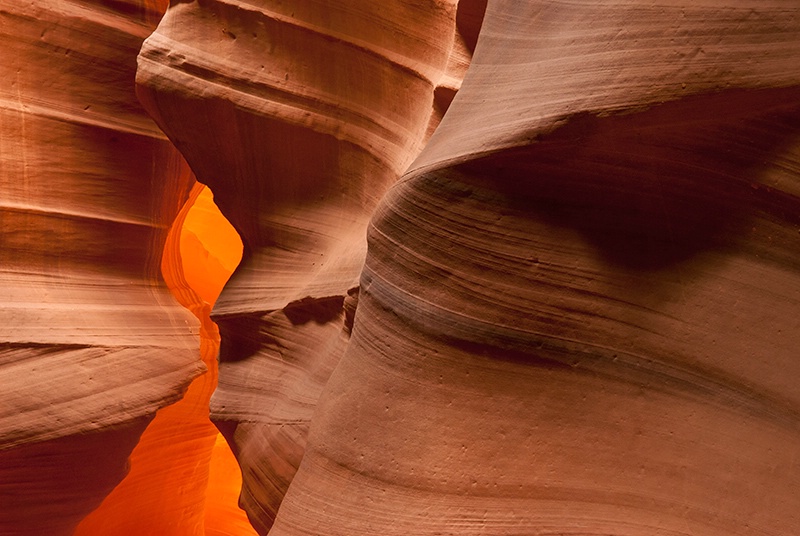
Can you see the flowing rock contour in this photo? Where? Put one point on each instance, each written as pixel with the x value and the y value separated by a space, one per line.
pixel 298 116
pixel 579 310
pixel 91 342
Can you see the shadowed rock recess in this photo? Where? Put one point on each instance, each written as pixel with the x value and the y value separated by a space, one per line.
pixel 510 267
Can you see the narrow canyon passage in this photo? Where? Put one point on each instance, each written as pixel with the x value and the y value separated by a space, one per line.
pixel 183 475
pixel 507 268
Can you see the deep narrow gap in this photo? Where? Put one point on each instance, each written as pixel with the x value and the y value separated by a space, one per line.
pixel 183 473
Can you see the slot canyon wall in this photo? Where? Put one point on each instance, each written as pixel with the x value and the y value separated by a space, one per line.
pixel 298 116
pixel 92 341
pixel 93 344
pixel 516 267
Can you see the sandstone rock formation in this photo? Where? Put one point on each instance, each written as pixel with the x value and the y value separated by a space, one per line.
pixel 298 116
pixel 579 309
pixel 92 343
pixel 182 473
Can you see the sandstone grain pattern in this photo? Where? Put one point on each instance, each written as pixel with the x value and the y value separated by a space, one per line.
pixel 298 116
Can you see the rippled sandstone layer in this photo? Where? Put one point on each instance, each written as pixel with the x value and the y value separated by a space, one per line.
pixel 578 312
pixel 184 480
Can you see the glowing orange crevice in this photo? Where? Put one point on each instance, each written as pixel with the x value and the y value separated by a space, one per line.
pixel 184 481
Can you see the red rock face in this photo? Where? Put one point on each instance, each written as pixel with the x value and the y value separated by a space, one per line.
pixel 578 312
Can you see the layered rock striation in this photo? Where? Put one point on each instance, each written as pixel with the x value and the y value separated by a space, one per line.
pixel 93 344
pixel 183 475
pixel 578 312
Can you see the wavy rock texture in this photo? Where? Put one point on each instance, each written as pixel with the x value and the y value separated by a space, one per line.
pixel 298 116
pixel 578 313
pixel 93 344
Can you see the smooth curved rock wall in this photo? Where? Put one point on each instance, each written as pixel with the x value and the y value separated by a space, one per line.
pixel 578 312
pixel 299 117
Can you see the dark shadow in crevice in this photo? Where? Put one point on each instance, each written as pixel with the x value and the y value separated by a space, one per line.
pixel 240 336
pixel 469 19
pixel 655 188
pixel 319 310
pixel 244 335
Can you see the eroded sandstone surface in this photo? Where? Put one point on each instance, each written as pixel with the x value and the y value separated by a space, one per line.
pixel 298 116
pixel 557 294
pixel 579 308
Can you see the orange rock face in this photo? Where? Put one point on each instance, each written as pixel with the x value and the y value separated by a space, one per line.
pixel 181 468
pixel 93 342
pixel 578 313
pixel 298 117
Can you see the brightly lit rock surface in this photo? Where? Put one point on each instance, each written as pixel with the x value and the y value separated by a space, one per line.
pixel 299 116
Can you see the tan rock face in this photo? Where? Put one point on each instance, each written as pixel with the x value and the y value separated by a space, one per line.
pixel 92 342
